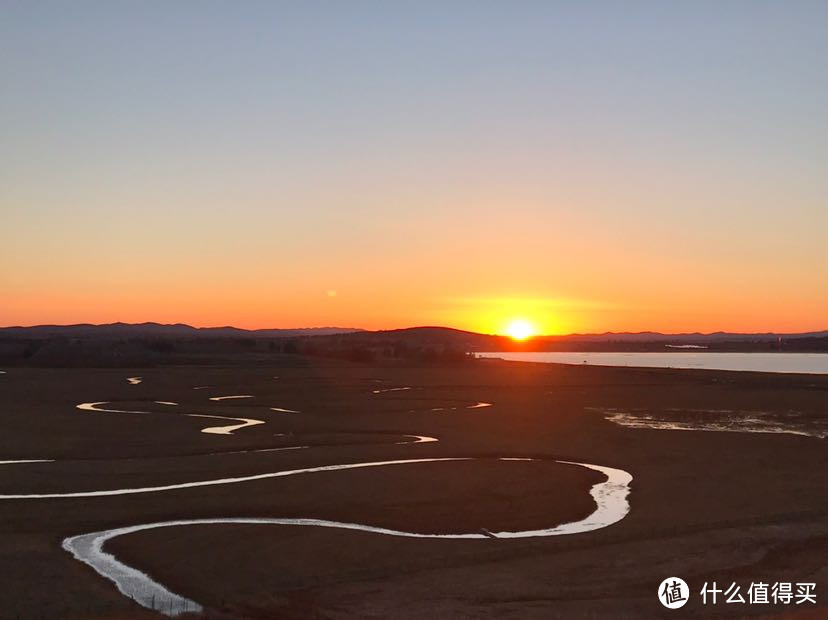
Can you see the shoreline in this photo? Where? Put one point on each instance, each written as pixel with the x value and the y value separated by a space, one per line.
pixel 690 360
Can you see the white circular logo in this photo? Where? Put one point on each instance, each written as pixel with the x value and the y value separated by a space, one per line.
pixel 673 592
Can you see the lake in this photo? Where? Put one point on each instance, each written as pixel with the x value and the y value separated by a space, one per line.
pixel 809 363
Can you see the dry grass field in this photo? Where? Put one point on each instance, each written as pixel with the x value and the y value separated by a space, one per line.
pixel 705 506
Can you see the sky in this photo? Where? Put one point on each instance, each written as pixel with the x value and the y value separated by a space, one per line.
pixel 586 166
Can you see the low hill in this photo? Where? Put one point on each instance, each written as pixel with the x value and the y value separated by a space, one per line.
pixel 121 344
pixel 444 337
pixel 124 330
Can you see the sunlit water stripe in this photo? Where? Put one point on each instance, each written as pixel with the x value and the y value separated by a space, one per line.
pixel 218 481
pixel 734 422
pixel 418 439
pixel 225 430
pixel 610 497
pixel 214 430
pixel 166 402
pixel 780 362
pixel 234 397
pixel 394 389
pixel 134 380
pixel 261 450
pixel 411 439
pixel 478 405
pixel 281 410
pixel 97 407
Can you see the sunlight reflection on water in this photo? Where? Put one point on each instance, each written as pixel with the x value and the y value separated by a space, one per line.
pixel 808 363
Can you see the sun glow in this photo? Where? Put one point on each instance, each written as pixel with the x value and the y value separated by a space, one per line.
pixel 520 329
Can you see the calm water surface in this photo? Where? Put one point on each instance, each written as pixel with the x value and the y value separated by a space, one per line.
pixel 810 363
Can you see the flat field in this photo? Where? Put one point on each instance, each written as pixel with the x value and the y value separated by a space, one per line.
pixel 704 506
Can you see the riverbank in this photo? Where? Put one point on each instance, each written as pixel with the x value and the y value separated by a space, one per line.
pixel 795 363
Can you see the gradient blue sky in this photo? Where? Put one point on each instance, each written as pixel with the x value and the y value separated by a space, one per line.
pixel 588 165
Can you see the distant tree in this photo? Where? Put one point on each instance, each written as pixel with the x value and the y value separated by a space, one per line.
pixel 360 354
pixel 161 346
pixel 32 347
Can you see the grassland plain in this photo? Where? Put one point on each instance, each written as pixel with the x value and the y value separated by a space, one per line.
pixel 705 506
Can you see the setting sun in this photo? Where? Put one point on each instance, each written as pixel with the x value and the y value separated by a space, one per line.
pixel 520 329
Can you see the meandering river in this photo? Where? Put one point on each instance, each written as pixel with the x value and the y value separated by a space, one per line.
pixel 610 498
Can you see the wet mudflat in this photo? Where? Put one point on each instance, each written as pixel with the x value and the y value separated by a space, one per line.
pixel 703 505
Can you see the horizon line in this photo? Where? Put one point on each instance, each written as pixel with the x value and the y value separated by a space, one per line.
pixel 411 327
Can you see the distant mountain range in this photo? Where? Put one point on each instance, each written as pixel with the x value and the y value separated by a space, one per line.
pixel 428 337
pixel 147 344
pixel 434 334
pixel 168 330
pixel 609 341
pixel 689 338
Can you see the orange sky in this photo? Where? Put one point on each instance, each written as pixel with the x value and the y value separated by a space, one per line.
pixel 476 265
pixel 623 169
pixel 462 284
